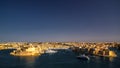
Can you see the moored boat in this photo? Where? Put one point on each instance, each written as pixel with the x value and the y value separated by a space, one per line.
pixel 50 51
pixel 83 57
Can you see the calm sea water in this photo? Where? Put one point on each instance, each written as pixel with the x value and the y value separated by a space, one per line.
pixel 60 59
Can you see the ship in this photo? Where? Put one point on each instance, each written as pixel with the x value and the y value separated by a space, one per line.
pixel 83 57
pixel 50 51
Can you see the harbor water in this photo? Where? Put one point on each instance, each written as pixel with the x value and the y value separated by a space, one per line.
pixel 60 59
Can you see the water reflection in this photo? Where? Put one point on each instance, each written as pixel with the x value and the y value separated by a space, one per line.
pixel 61 59
pixel 29 61
pixel 111 59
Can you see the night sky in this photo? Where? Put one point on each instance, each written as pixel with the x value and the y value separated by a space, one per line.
pixel 59 20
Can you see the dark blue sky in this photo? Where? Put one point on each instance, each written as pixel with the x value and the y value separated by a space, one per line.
pixel 59 20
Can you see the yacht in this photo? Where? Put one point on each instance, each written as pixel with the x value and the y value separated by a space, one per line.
pixel 50 51
pixel 83 57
